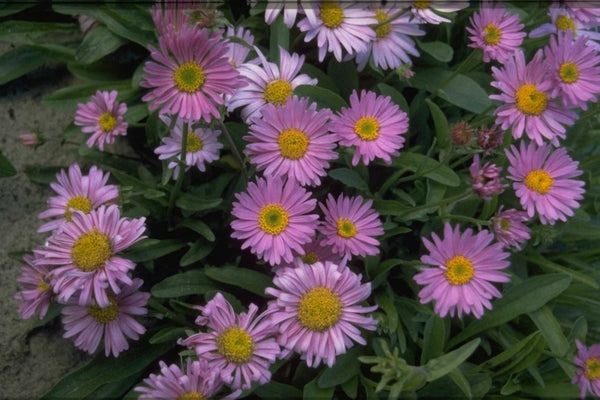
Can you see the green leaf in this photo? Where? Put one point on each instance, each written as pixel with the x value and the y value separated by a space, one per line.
pixel 345 76
pixel 9 8
pixel 512 351
pixel 554 267
pixel 197 252
pixel 41 174
pixel 6 168
pixel 97 43
pixel 461 381
pixel 553 391
pixel 396 96
pixel 25 32
pixel 119 21
pixel 151 249
pixel 187 283
pixel 244 278
pixel 277 390
pixel 438 50
pixel 190 202
pixel 313 392
pixel 521 298
pixel 346 367
pixel 552 332
pixel 170 334
pixel 324 80
pixel 428 167
pixel 323 97
pixel 442 132
pixel 199 227
pixel 19 61
pixel 349 177
pixel 68 98
pixel 438 367
pixel 434 337
pixel 279 36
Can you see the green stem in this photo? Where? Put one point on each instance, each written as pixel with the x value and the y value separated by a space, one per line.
pixel 179 182
pixel 464 218
pixel 234 149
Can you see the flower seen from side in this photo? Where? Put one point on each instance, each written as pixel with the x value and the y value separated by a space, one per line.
pixel 562 20
pixel 313 253
pixel 290 11
pixel 489 138
pixel 36 289
pixel 486 179
pixel 102 117
pixel 509 228
pixel 238 52
pixel 426 11
pixel 587 375
pixel 316 309
pixel 464 267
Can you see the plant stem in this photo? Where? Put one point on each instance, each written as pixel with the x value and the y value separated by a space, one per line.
pixel 178 183
pixel 234 149
pixel 464 218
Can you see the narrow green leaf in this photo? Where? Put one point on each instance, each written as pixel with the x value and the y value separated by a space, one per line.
pixel 461 381
pixel 349 177
pixel 136 113
pixel 199 227
pixel 346 367
pixel 323 97
pixel 190 202
pixel 554 267
pixel 442 132
pixel 8 8
pixel 25 32
pixel 345 76
pixel 19 61
pixel 438 50
pixel 68 98
pixel 395 95
pixel 197 252
pixel 187 283
pixel 434 337
pixel 391 207
pixel 279 37
pixel 122 25
pixel 438 367
pixel 244 278
pixel 151 249
pixel 428 167
pixel 553 391
pixel 97 43
pixel 313 392
pixel 324 80
pixel 6 168
pixel 384 301
pixel 277 390
pixel 552 332
pixel 170 334
pixel 42 174
pixel 512 351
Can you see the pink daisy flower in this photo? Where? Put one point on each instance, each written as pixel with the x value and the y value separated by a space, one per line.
pixel 316 310
pixel 528 106
pixel 588 371
pixel 339 25
pixel 582 12
pixel 83 254
pixel 198 381
pixel 88 324
pixel 465 264
pixel 543 181
pixel 562 21
pixel 574 70
pixel 425 10
pixel 273 219
pixel 77 192
pixel 313 253
pixel 373 124
pixel 36 292
pixel 202 146
pixel 269 83
pixel 290 10
pixel 241 347
pixel 509 228
pixel 189 75
pixel 495 31
pixel 292 141
pixel 102 116
pixel 350 226
pixel 238 52
pixel 486 179
pixel 170 18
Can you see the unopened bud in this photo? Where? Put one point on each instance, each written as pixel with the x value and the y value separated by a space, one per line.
pixel 34 139
pixel 462 133
pixel 489 138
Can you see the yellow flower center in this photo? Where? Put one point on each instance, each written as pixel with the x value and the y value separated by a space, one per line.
pixel 530 101
pixel 459 270
pixel 332 15
pixel 568 72
pixel 106 314
pixel 310 258
pixel 564 23
pixel 194 143
pixel 80 203
pixel 236 345
pixel 367 128
pixel 273 219
pixel 422 4
pixel 277 92
pixel 539 181
pixel 384 29
pixel 292 143
pixel 346 228
pixel 189 77
pixel 504 224
pixel 592 368
pixel 91 250
pixel 319 309
pixel 191 396
pixel 107 122
pixel 492 34
pixel 42 285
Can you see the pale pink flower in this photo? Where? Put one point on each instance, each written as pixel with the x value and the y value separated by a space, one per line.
pixel 487 180
pixel 36 290
pixel 102 117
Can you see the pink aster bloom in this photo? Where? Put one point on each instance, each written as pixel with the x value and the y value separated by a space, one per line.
pixel 269 83
pixel 495 31
pixel 465 265
pixel 242 347
pixel 189 75
pixel 83 254
pixel 313 253
pixel 198 381
pixel 274 218
pixel 509 228
pixel 169 18
pixel 290 10
pixel 574 70
pixel 489 138
pixel 36 290
pixel 202 146
pixel 528 106
pixel 543 181
pixel 102 116
pixel 339 25
pixel 292 141
pixel 373 124
pixel 427 11
pixel 588 369
pixel 562 21
pixel 77 192
pixel 317 311
pixel 583 12
pixel 87 324
pixel 486 179
pixel 238 52
pixel 350 226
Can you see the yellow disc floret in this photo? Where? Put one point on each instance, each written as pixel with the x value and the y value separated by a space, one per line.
pixel 385 29
pixel 277 92
pixel 191 396
pixel 292 143
pixel 331 14
pixel 43 285
pixel 310 258
pixel 492 34
pixel 421 4
pixel 568 72
pixel 319 309
pixel 530 101
pixel 106 314
pixel 539 181
pixel 236 345
pixel 346 228
pixel 107 122
pixel 91 250
pixel 189 77
pixel 273 219
pixel 459 270
pixel 194 143
pixel 592 368
pixel 564 23
pixel 80 203
pixel 367 128
pixel 504 224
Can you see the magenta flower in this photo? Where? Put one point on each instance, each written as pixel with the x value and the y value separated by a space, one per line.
pixel 486 179
pixel 509 228
pixel 273 219
pixel 189 74
pixel 465 265
pixel 238 52
pixel 290 10
pixel 581 12
pixel 350 226
pixel 88 323
pixel 102 116
pixel 373 124
pixel 425 11
pixel 588 371
pixel 562 20
pixel 338 25
pixel 574 70
pixel 83 254
pixel 36 290
pixel 543 181
pixel 292 141
pixel 528 106
pixel 489 138
pixel 316 309
pixel 77 192
pixel 241 347
pixel 496 32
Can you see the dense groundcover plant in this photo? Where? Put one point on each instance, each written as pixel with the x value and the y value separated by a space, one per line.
pixel 319 199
